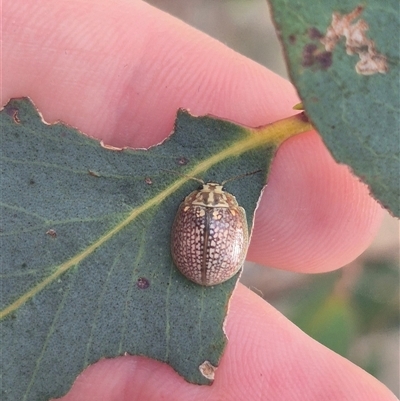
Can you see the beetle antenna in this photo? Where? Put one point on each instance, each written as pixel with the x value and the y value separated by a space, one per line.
pixel 240 176
pixel 184 175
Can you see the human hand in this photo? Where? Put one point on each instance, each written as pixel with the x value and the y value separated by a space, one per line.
pixel 119 71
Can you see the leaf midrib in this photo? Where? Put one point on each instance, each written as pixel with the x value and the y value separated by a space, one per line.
pixel 272 134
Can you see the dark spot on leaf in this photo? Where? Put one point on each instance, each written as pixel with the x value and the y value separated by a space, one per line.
pixel 307 60
pixel 182 161
pixel 313 56
pixel 292 39
pixel 324 59
pixel 314 33
pixel 308 55
pixel 142 283
pixel 13 112
pixel 310 48
pixel 24 265
pixel 31 181
pixel 148 181
pixel 52 233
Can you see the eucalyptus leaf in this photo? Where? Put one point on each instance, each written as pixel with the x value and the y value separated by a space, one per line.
pixel 86 270
pixel 343 57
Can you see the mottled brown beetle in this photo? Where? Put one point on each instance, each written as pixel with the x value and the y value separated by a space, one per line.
pixel 210 236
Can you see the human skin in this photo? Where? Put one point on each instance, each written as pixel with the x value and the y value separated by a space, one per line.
pixel 118 70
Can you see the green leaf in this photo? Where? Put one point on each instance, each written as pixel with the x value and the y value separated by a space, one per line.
pixel 86 271
pixel 349 81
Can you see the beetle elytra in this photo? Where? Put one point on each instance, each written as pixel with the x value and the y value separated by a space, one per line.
pixel 210 235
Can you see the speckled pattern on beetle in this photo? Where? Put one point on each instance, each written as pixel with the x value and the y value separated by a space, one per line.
pixel 210 236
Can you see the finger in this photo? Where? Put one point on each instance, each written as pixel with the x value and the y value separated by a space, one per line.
pixel 123 82
pixel 267 358
pixel 121 74
pixel 315 215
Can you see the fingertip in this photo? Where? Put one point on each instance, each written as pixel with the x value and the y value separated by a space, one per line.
pixel 315 215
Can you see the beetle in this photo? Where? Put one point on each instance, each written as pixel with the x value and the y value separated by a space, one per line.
pixel 210 236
